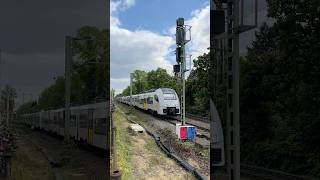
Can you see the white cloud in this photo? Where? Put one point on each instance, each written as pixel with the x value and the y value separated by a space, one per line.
pixel 117 5
pixel 146 50
pixel 200 31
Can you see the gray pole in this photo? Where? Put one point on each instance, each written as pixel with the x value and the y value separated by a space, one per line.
pixel 8 108
pixel 181 41
pixel 68 61
pixel 23 98
pixel 0 69
pixel 0 83
pixel 131 79
pixel 183 71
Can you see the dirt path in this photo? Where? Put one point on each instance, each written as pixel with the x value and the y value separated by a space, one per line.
pixel 145 159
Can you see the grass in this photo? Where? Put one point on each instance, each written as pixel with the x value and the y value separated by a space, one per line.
pixel 28 165
pixel 123 140
pixel 205 153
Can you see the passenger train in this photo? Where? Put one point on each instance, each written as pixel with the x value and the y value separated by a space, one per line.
pixel 87 123
pixel 162 101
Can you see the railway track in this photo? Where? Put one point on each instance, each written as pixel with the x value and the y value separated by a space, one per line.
pixel 201 131
pixel 269 174
pixel 202 136
pixel 53 164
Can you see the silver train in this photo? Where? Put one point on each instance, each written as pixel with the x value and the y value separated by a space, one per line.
pixel 162 101
pixel 87 123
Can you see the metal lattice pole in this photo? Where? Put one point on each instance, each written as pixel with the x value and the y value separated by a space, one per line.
pixel 233 116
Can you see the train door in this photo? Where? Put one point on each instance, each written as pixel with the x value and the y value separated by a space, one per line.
pixel 145 104
pixel 77 124
pixel 90 126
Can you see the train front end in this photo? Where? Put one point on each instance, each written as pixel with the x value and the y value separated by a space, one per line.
pixel 169 104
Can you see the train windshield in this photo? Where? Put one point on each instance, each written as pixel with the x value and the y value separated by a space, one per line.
pixel 169 94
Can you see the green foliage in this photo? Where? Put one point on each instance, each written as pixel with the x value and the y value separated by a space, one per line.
pixel 7 92
pixel 53 96
pixel 197 94
pixel 280 85
pixel 154 79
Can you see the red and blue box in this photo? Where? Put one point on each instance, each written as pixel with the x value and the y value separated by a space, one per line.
pixel 185 132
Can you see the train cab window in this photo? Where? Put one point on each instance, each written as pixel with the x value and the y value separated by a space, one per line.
pixel 156 98
pixel 169 96
pixel 150 100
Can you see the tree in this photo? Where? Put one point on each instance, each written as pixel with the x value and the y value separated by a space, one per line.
pixel 140 81
pixel 53 96
pixel 8 93
pixel 280 85
pixel 197 93
pixel 91 69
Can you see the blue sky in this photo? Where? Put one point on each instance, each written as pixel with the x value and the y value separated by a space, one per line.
pixel 158 15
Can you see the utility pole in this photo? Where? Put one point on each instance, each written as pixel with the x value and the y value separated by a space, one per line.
pixel 131 82
pixel 226 46
pixel 1 83
pixel 68 62
pixel 181 41
pixel 8 108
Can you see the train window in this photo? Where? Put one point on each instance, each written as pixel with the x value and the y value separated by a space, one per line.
pixel 100 126
pixel 61 119
pixel 73 120
pixel 83 120
pixel 150 100
pixel 156 98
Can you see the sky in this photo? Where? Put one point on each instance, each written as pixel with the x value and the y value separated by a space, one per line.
pixel 142 34
pixel 32 39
